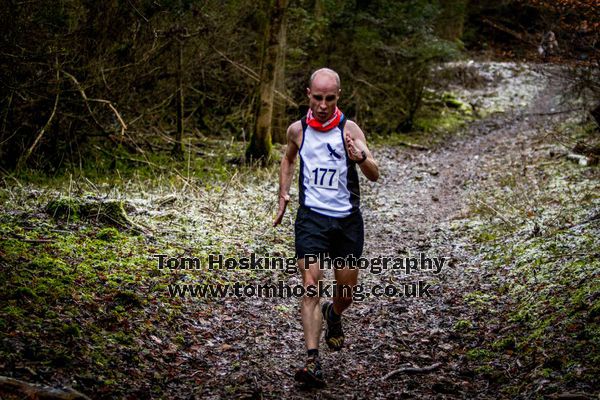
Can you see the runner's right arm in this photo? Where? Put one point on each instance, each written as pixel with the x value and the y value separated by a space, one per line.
pixel 286 171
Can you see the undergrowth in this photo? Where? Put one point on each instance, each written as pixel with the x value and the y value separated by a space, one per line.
pixel 537 233
pixel 83 302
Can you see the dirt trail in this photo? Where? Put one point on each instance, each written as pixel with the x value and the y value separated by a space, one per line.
pixel 408 211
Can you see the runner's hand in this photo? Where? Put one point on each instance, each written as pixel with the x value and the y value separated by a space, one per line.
pixel 355 148
pixel 283 200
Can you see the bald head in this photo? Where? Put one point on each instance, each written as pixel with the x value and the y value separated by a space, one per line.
pixel 324 74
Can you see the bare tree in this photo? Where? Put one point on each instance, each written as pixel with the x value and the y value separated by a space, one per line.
pixel 260 142
pixel 279 105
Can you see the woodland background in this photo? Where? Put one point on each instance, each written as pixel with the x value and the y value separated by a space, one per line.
pixel 78 78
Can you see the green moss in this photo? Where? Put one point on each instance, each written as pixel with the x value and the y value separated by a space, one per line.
pixel 71 330
pixel 46 263
pixel 445 122
pixel 463 325
pixel 108 234
pixel 129 298
pixel 433 124
pixel 545 373
pixel 477 298
pixel 122 338
pixel 14 248
pixel 119 309
pixel 24 293
pixel 179 339
pixel 507 343
pixel 64 207
pixel 486 236
pixel 110 212
pixel 53 288
pixel 594 311
pixel 488 372
pixel 13 312
pixel 153 168
pixel 479 354
pixel 451 101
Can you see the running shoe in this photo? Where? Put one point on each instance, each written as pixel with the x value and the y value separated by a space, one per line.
pixel 334 335
pixel 312 374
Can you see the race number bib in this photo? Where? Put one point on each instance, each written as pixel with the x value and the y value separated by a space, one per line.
pixel 326 178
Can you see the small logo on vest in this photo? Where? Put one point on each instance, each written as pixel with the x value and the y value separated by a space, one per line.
pixel 332 152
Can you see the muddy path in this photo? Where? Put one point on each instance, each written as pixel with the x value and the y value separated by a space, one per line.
pixel 408 211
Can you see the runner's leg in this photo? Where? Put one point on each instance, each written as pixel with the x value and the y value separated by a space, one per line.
pixel 332 311
pixel 349 278
pixel 310 306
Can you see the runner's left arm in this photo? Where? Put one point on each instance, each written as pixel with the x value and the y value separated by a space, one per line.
pixel 356 143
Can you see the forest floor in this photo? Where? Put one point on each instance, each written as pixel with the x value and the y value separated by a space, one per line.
pixel 514 311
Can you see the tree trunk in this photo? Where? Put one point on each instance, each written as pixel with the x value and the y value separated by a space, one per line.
pixel 279 105
pixel 259 148
pixel 178 146
pixel 450 21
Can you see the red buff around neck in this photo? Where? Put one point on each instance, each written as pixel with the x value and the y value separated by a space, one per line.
pixel 327 125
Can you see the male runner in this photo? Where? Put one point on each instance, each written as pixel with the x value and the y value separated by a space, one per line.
pixel 328 220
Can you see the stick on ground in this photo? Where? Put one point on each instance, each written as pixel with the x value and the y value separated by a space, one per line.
pixel 411 370
pixel 35 391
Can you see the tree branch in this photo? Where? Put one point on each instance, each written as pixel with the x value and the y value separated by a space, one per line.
pixel 524 37
pixel 87 100
pixel 411 370
pixel 25 157
pixel 254 76
pixel 35 391
pixel 87 104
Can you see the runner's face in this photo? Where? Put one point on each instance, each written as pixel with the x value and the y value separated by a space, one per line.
pixel 323 95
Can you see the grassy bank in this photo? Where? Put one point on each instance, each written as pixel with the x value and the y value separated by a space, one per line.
pixel 82 300
pixel 535 229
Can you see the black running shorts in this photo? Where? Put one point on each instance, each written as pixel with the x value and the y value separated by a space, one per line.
pixel 319 234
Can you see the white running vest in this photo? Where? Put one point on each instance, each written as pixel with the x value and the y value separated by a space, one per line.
pixel 328 182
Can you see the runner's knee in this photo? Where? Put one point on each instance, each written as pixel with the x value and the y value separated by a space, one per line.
pixel 343 302
pixel 310 301
pixel 310 280
pixel 311 276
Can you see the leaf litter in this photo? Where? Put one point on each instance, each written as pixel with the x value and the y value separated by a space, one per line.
pixel 112 330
